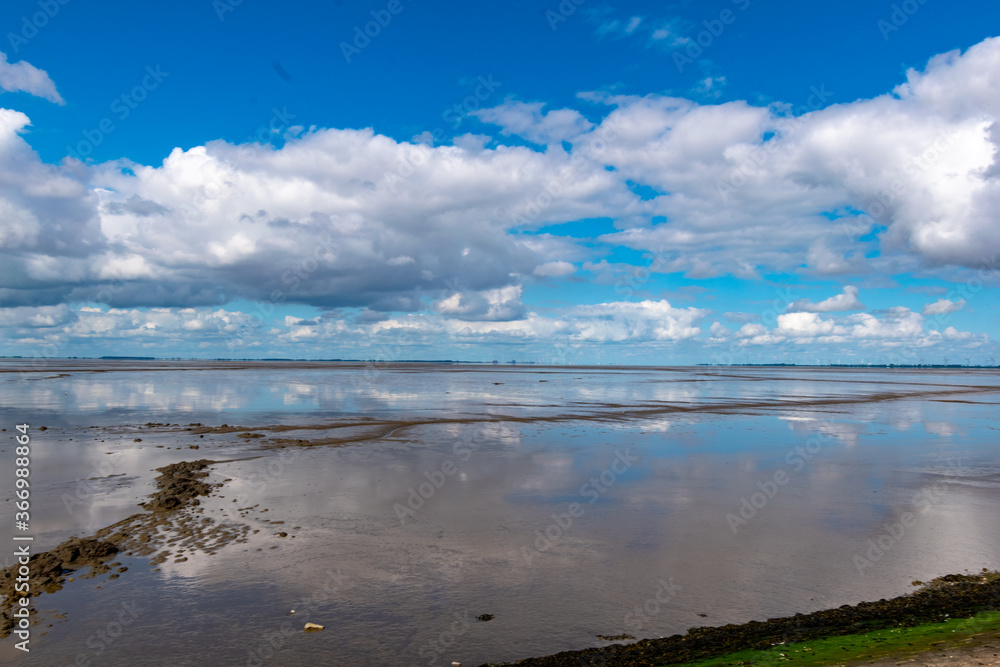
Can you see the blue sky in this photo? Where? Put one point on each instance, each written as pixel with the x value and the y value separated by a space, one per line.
pixel 559 182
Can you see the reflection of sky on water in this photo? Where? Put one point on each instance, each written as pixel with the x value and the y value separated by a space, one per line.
pixel 336 390
pixel 470 547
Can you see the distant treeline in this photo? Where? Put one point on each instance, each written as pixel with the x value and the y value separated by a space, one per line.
pixel 509 363
pixel 858 365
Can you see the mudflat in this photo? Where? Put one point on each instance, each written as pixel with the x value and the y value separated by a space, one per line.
pixel 399 505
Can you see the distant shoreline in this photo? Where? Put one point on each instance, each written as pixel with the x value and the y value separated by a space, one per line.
pixel 496 363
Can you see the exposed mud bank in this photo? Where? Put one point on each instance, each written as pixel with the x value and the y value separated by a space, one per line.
pixel 169 521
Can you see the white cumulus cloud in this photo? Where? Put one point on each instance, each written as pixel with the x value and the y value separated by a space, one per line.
pixel 527 120
pixel 846 300
pixel 943 307
pixel 24 77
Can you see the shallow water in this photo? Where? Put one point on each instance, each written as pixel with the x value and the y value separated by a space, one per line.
pixel 568 502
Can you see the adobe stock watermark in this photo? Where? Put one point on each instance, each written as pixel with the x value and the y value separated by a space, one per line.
pixel 554 187
pixel 562 13
pixel 592 489
pixel 987 270
pixel 432 651
pixel 86 489
pixel 103 639
pixel 637 278
pixel 271 642
pixel 607 657
pixel 881 206
pixel 436 478
pixel 223 7
pixel 43 352
pixel 212 187
pixel 292 279
pixel 122 107
pixel 280 121
pixel 759 156
pixel 979 622
pixel 363 35
pixel 796 459
pixel 386 354
pixel 419 156
pixel 768 317
pixel 257 482
pixel 706 38
pixel 901 13
pixel 30 25
pixel 922 501
pixel 639 617
pixel 471 103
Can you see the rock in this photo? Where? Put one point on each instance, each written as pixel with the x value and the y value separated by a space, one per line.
pixel 313 626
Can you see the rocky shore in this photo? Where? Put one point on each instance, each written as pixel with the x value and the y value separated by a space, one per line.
pixel 950 596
